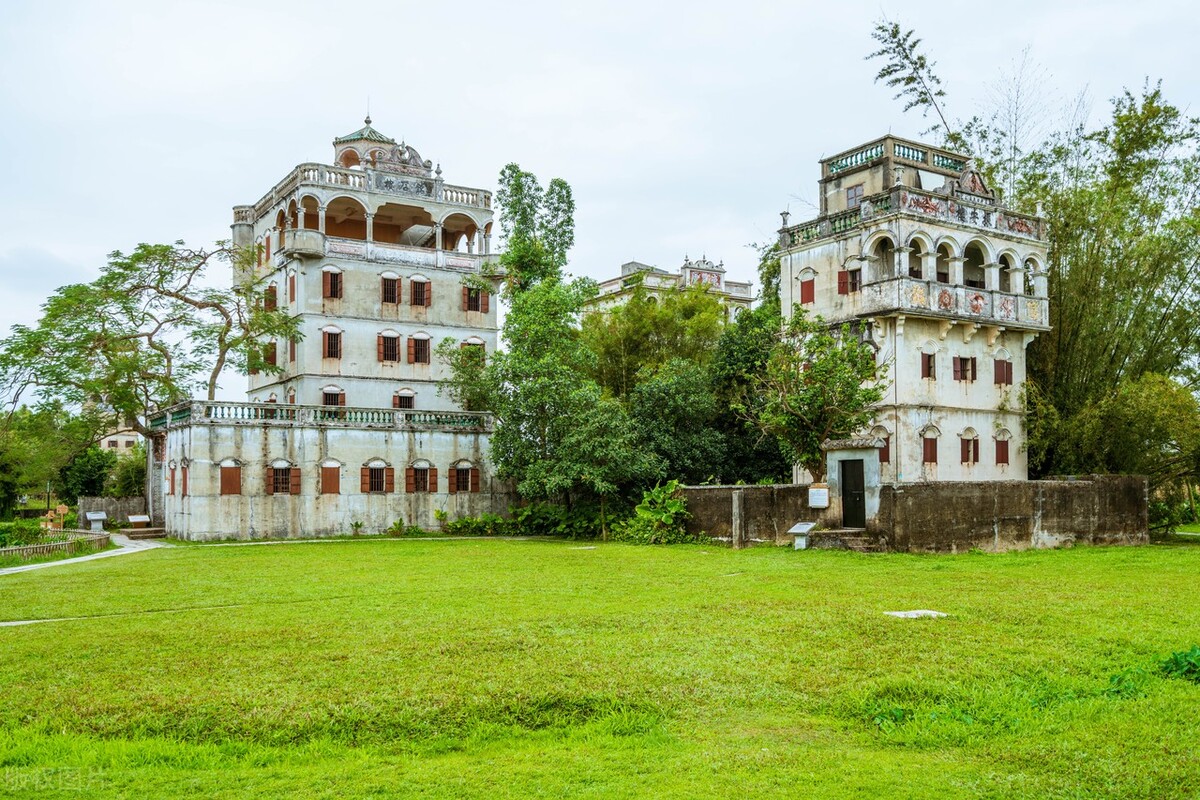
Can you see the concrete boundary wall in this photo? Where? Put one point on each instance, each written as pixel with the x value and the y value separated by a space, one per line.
pixel 117 508
pixel 944 517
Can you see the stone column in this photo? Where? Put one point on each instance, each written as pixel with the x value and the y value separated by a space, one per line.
pixel 487 244
pixel 300 218
pixel 1016 280
pixel 902 261
pixel 1041 287
pixel 370 226
pixel 437 228
pixel 929 265
pixel 956 270
pixel 321 218
pixel 991 276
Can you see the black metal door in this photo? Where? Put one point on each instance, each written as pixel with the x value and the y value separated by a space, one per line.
pixel 854 495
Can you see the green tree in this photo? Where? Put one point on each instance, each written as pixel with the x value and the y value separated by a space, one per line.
pixel 87 474
pixel 150 331
pixel 818 384
pixel 537 227
pixel 128 478
pixel 674 411
pixel 650 329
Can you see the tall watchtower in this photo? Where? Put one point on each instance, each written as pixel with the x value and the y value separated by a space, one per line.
pixel 371 253
pixel 924 260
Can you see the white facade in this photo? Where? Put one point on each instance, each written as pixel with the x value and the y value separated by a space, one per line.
pixel 920 257
pixel 380 261
pixel 330 240
pixel 735 295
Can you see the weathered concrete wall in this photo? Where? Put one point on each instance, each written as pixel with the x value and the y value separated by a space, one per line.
pixel 943 517
pixel 198 510
pixel 744 515
pixel 117 508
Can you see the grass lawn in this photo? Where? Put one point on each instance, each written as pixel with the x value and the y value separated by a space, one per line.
pixel 1194 528
pixel 484 669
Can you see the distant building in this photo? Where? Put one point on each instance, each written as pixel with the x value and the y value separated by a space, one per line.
pixel 122 441
pixel 915 251
pixel 373 255
pixel 735 295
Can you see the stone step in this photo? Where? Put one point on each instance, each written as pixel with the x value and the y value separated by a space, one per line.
pixel 855 539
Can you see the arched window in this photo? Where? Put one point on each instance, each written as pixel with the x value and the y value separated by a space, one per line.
pixel 420 477
pixel 231 476
pixel 464 477
pixel 1003 437
pixel 331 476
pixel 969 447
pixel 885 436
pixel 387 346
pixel 377 477
pixel 282 478
pixel 929 444
pixel 332 283
pixel 404 399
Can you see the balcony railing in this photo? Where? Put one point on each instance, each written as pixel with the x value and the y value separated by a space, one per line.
pixel 277 414
pixel 369 180
pixel 950 210
pixel 932 298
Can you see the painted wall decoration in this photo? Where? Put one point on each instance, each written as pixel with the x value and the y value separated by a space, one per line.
pixel 1007 308
pixel 946 300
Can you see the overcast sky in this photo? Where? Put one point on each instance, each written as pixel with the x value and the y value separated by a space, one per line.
pixel 684 128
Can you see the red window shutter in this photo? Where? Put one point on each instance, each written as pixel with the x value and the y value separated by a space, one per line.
pixel 466 292
pixel 974 451
pixel 267 254
pixel 452 481
pixel 433 480
pixel 331 479
pixel 231 480
pixel 885 452
pixel 341 398
pixel 389 480
pixel 428 293
pixel 808 291
pixel 379 347
pixel 294 474
pixel 958 370
pixel 931 450
pixel 271 357
pixel 291 288
pixel 364 480
pixel 1001 451
pixel 843 282
pixel 409 480
pixel 974 369
pixel 412 349
pixel 395 401
pixel 270 301
pixel 998 372
pixel 1008 378
pixel 483 302
pixel 270 482
pixel 965 448
pixel 926 365
pixel 183 481
pixel 326 284
pixel 324 344
pixel 291 349
pixel 474 479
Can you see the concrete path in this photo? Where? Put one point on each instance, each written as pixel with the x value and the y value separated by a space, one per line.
pixel 124 543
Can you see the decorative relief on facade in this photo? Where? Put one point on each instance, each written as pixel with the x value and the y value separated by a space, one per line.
pixel 389 183
pixel 916 296
pixel 345 248
pixel 946 300
pixel 1007 308
pixel 975 302
pixel 1033 310
pixel 923 205
pixel 418 257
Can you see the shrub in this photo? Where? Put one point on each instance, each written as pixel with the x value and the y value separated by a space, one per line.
pixel 1184 664
pixel 483 525
pixel 20 532
pixel 398 528
pixel 550 519
pixel 658 519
